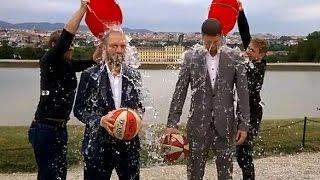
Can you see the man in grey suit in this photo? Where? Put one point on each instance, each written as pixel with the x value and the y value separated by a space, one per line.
pixel 212 73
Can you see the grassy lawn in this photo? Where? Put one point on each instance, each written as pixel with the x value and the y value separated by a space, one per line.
pixel 16 154
pixel 287 140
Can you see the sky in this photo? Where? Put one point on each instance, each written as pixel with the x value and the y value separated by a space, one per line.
pixel 279 17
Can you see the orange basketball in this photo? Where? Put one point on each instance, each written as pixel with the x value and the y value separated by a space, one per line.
pixel 176 147
pixel 127 123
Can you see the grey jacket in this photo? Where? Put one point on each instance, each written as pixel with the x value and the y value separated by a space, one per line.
pixel 211 106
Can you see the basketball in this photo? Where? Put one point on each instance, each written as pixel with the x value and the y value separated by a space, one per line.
pixel 127 123
pixel 175 147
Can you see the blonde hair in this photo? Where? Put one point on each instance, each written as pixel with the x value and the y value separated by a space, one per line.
pixel 262 44
pixel 107 34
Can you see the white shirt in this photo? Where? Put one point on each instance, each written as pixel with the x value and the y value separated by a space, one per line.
pixel 116 86
pixel 213 65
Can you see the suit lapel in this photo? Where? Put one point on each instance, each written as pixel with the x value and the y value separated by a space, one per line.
pixel 105 89
pixel 203 69
pixel 221 72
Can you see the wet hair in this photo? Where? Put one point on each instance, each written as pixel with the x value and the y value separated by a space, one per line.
pixel 106 36
pixel 211 27
pixel 54 37
pixel 261 44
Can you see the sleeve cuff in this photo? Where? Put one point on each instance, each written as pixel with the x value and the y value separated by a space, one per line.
pixel 67 37
pixel 243 127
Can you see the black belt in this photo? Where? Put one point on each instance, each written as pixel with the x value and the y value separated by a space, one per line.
pixel 53 122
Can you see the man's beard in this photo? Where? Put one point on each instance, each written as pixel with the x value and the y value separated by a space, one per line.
pixel 116 60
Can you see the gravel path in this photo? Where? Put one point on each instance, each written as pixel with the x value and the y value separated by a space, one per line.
pixel 301 166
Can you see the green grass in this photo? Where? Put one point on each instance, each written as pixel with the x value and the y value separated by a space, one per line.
pixel 16 154
pixel 287 140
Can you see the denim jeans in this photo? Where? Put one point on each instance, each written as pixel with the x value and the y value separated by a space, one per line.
pixel 50 149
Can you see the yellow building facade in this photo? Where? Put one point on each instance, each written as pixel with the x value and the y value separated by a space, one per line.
pixel 160 54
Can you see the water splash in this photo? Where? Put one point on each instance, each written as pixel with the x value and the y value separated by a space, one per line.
pixel 131 57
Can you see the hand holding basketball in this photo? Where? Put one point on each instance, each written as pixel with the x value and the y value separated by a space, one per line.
pixel 169 131
pixel 107 122
pixel 122 123
pixel 175 147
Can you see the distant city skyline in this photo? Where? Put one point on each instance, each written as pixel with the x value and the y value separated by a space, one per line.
pixel 282 17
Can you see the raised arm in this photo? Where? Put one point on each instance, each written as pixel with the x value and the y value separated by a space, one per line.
pixel 73 24
pixel 69 30
pixel 243 27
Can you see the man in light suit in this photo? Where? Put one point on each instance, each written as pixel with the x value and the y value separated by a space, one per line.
pixel 212 73
pixel 102 89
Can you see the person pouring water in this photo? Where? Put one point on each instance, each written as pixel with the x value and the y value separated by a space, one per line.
pixel 256 49
pixel 58 82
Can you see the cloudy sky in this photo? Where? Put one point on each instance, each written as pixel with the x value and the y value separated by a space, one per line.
pixel 291 17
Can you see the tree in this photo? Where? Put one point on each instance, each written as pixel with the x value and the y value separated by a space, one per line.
pixel 277 58
pixel 6 51
pixel 83 53
pixel 293 57
pixel 277 47
pixel 314 36
pixel 317 58
pixel 30 53
pixel 306 51
pixel 285 38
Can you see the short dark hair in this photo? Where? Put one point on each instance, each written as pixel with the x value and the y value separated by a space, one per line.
pixel 211 27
